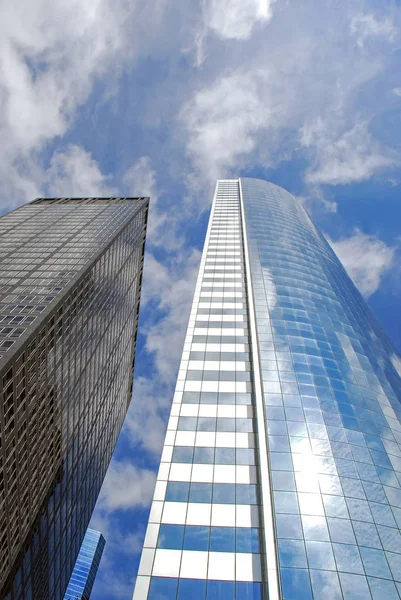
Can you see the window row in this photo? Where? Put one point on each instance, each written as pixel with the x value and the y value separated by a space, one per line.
pixel 212 493
pixel 219 356
pixel 325 529
pixel 217 456
pixel 209 539
pixel 217 375
pixel 216 365
pixel 217 398
pixel 320 505
pixel 216 424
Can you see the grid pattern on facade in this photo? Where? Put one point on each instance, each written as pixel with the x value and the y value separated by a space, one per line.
pixel 43 246
pixel 65 391
pixel 203 538
pixel 332 402
pixel 86 566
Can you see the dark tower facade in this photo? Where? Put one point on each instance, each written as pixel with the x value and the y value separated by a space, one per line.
pixel 70 281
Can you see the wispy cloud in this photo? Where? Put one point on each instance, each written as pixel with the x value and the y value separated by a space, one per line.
pixel 145 424
pixel 126 487
pixel 221 122
pixel 367 27
pixel 346 157
pixel 366 258
pixel 284 93
pixel 140 179
pixel 229 20
pixel 173 297
pixel 46 76
pixel 235 19
pixel 74 172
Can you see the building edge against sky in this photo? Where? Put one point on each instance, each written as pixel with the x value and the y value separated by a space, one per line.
pixel 280 475
pixel 86 566
pixel 70 282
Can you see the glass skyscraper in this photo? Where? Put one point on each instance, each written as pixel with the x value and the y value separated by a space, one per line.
pixel 86 566
pixel 70 281
pixel 280 476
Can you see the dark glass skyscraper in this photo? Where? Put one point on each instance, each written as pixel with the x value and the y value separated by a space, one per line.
pixel 280 476
pixel 86 566
pixel 70 281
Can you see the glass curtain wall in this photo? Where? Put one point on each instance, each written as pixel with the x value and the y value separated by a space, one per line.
pixel 86 566
pixel 332 400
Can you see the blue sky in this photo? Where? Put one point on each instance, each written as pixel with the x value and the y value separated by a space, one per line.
pixel 107 97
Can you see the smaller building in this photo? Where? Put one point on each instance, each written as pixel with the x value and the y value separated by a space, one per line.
pixel 86 566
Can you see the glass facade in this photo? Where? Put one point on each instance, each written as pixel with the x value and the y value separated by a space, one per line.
pixel 70 280
pixel 86 566
pixel 284 441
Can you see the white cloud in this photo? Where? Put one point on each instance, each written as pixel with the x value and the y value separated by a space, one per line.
pixel 397 91
pixel 140 180
pixel 222 120
pixel 171 288
pixel 126 487
pixel 235 19
pixel 231 120
pixel 52 54
pixel 146 420
pixel 301 88
pixel 75 172
pixel 366 27
pixel 366 258
pixel 341 158
pixel 71 172
pixel 229 20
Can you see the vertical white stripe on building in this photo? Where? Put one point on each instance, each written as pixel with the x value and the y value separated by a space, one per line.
pixel 220 290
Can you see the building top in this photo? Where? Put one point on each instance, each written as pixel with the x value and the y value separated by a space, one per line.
pixel 86 566
pixel 93 200
pixel 46 245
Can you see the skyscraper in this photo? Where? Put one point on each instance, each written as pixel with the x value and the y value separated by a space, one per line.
pixel 280 475
pixel 70 281
pixel 86 566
